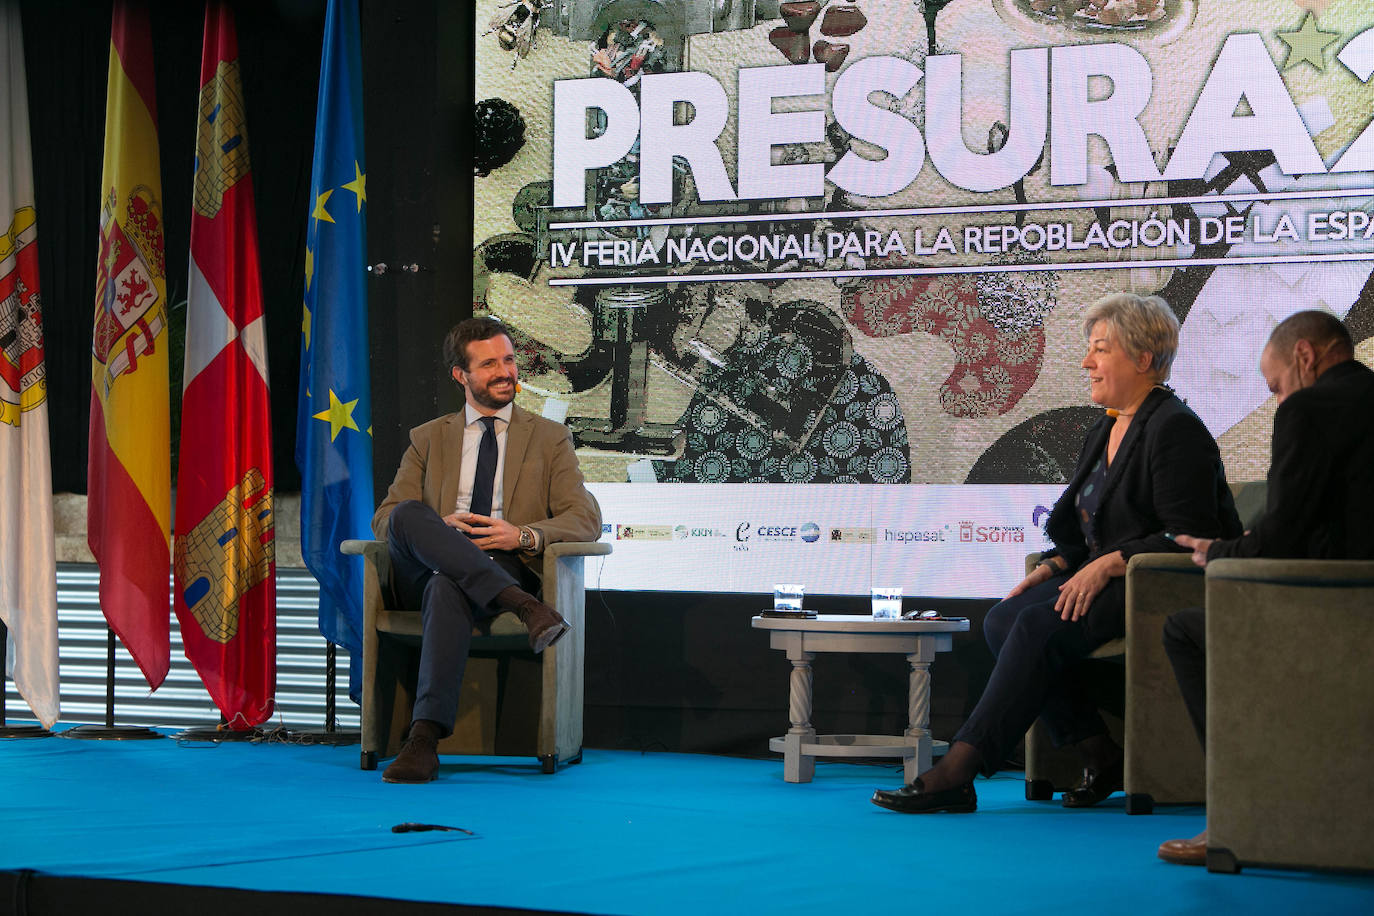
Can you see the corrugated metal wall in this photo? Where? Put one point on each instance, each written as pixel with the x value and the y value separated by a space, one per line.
pixel 182 701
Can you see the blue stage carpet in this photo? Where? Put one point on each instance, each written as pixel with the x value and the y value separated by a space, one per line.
pixel 621 833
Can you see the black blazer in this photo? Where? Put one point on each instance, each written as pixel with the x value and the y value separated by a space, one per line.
pixel 1320 499
pixel 1167 477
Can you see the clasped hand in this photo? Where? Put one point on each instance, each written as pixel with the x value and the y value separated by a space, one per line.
pixel 1077 594
pixel 487 532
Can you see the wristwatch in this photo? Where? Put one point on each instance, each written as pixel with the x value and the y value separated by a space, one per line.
pixel 526 539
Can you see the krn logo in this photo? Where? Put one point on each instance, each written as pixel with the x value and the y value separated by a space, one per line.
pixel 682 532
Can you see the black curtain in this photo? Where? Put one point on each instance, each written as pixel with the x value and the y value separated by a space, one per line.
pixel 66 48
pixel 417 98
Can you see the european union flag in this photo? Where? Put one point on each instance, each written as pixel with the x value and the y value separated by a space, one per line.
pixel 334 416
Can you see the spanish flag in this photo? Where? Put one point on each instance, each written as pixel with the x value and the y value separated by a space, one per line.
pixel 129 464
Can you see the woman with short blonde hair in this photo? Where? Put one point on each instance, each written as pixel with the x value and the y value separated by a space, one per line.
pixel 1148 468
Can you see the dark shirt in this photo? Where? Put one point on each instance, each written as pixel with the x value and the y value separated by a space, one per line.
pixel 1089 497
pixel 1320 498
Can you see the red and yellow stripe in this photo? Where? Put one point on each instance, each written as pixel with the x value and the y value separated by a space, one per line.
pixel 129 475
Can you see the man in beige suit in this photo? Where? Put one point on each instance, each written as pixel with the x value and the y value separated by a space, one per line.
pixel 478 496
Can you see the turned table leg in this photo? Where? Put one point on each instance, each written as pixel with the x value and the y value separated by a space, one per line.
pixel 799 767
pixel 918 710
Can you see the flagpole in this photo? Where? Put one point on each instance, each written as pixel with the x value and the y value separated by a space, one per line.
pixel 330 734
pixel 7 730
pixel 109 731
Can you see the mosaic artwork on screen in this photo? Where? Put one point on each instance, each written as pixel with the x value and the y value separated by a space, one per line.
pixel 824 242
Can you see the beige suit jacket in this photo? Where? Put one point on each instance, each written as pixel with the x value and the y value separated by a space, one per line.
pixel 542 484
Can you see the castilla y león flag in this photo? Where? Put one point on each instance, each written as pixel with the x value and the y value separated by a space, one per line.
pixel 128 511
pixel 225 594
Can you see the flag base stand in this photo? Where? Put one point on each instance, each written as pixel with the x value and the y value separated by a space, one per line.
pixel 112 733
pixel 219 733
pixel 325 736
pixel 109 731
pixel 329 736
pixel 24 731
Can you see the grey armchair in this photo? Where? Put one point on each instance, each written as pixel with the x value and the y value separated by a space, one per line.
pixel 553 680
pixel 1164 763
pixel 1290 714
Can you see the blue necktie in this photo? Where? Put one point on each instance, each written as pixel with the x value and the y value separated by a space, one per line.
pixel 485 478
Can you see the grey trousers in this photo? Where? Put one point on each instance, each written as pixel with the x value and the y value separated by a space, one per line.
pixel 438 571
pixel 1185 642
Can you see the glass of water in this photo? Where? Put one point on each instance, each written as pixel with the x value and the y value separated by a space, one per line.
pixel 887 602
pixel 788 597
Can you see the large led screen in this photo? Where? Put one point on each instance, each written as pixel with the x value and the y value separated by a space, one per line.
pixel 819 269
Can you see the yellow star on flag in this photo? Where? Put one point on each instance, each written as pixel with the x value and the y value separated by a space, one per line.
pixel 309 266
pixel 320 211
pixel 305 324
pixel 1307 44
pixel 358 186
pixel 339 415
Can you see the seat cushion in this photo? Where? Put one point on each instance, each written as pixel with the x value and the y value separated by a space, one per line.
pixel 407 623
pixel 1110 649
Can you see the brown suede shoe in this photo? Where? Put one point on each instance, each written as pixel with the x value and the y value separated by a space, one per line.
pixel 546 625
pixel 419 757
pixel 1185 852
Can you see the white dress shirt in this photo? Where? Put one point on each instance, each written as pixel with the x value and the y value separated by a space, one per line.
pixel 472 439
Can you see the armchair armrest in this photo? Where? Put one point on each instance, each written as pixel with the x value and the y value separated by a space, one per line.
pixel 1163 759
pixel 577 549
pixel 564 588
pixel 563 576
pixel 360 548
pixel 1179 560
pixel 1158 584
pixel 375 552
pixel 1315 573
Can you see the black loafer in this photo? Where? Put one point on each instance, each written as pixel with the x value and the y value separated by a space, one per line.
pixel 912 799
pixel 1096 785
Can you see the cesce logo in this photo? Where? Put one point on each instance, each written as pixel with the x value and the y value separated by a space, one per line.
pixel 777 531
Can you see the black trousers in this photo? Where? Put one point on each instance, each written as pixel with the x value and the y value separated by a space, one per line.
pixel 1036 672
pixel 438 571
pixel 1185 642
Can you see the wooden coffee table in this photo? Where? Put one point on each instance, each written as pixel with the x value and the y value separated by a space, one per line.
pixel 802 638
